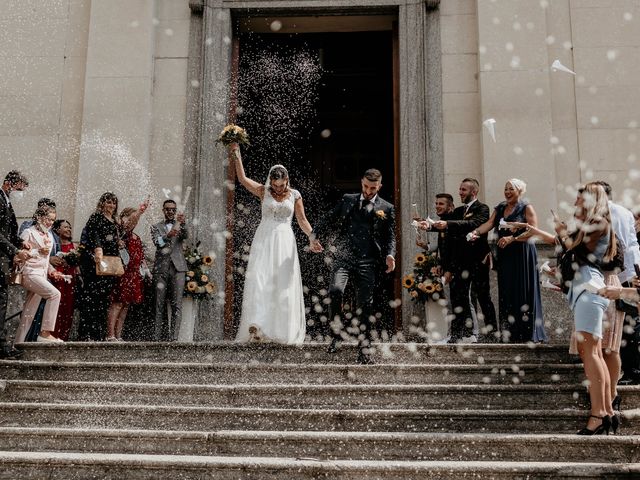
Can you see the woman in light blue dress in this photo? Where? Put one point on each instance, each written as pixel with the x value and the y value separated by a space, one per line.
pixel 594 243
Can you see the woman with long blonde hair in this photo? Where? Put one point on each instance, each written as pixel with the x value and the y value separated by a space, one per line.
pixel 594 244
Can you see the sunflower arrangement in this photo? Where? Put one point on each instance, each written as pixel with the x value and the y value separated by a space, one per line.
pixel 233 134
pixel 197 281
pixel 424 282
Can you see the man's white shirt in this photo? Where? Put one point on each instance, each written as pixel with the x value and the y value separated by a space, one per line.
pixel 624 226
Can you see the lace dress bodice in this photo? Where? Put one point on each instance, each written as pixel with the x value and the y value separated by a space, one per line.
pixel 275 212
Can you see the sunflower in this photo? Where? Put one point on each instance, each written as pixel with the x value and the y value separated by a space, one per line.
pixel 422 287
pixel 210 288
pixel 420 259
pixel 414 294
pixel 408 281
pixel 204 279
pixel 430 288
pixel 190 274
pixel 192 286
pixel 207 260
pixel 438 287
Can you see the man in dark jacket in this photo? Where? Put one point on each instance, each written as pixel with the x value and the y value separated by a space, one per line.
pixel 366 246
pixel 10 251
pixel 469 263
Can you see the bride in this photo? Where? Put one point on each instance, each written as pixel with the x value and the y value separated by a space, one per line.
pixel 273 304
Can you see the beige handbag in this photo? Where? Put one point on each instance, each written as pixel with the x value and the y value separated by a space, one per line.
pixel 15 277
pixel 110 266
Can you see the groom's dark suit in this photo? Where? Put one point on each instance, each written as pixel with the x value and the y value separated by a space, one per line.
pixel 365 237
pixel 469 268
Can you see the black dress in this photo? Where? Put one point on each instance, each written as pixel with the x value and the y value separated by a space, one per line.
pixel 519 299
pixel 96 296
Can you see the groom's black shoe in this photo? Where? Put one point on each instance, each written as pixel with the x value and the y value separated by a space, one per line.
pixel 333 347
pixel 364 358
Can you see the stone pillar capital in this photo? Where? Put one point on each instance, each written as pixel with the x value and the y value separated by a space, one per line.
pixel 196 6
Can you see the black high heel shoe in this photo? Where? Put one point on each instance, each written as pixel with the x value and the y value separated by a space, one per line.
pixel 615 403
pixel 602 429
pixel 615 423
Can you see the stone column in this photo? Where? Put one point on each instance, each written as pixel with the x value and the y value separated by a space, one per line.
pixel 116 114
pixel 210 186
pixel 421 158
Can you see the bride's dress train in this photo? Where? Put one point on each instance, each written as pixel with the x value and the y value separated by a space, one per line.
pixel 273 303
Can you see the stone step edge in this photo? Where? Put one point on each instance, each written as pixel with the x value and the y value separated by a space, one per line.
pixel 252 411
pixel 53 459
pixel 320 388
pixel 293 435
pixel 288 366
pixel 252 347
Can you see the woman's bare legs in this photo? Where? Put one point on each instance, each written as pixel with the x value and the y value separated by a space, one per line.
pixel 589 348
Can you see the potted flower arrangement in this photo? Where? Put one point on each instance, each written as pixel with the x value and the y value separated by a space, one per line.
pixel 425 283
pixel 198 285
pixel 197 281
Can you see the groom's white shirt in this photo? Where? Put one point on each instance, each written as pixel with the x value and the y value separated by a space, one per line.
pixel 371 202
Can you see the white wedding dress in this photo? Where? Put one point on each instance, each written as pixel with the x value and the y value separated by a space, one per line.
pixel 273 303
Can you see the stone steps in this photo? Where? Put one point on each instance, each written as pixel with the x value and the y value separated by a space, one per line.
pixel 500 397
pixel 258 373
pixel 309 353
pixel 328 445
pixel 223 410
pixel 157 417
pixel 117 466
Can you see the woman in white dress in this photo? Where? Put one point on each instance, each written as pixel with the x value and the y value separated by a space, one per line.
pixel 273 303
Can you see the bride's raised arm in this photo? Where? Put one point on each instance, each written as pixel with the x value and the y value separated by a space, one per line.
pixel 254 187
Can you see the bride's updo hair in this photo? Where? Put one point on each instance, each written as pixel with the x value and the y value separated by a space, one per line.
pixel 278 172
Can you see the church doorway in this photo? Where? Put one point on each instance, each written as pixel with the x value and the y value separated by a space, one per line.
pixel 317 97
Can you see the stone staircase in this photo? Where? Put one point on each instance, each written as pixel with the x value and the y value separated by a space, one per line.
pixel 144 411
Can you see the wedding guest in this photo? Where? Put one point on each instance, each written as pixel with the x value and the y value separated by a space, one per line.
pixel 519 300
pixel 444 207
pixel 169 270
pixel 129 288
pixel 54 260
pixel 67 285
pixel 34 278
pixel 593 243
pixel 624 226
pixel 470 264
pixel 630 345
pixel 99 238
pixel 11 250
pixel 48 203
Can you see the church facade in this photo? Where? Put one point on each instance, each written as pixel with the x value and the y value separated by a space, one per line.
pixel 129 96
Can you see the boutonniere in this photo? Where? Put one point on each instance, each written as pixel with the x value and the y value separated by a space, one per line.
pixel 380 214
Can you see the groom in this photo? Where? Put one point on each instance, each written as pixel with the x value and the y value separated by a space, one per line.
pixel 366 246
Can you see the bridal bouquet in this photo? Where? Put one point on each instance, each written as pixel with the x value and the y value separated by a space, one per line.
pixel 233 134
pixel 425 282
pixel 197 281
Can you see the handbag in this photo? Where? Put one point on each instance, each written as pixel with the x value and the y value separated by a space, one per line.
pixel 615 264
pixel 124 256
pixel 110 266
pixel 567 266
pixel 15 277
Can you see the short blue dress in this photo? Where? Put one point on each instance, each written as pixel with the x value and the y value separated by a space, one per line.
pixel 588 308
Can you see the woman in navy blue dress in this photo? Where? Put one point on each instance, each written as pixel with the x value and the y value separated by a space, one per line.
pixel 519 299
